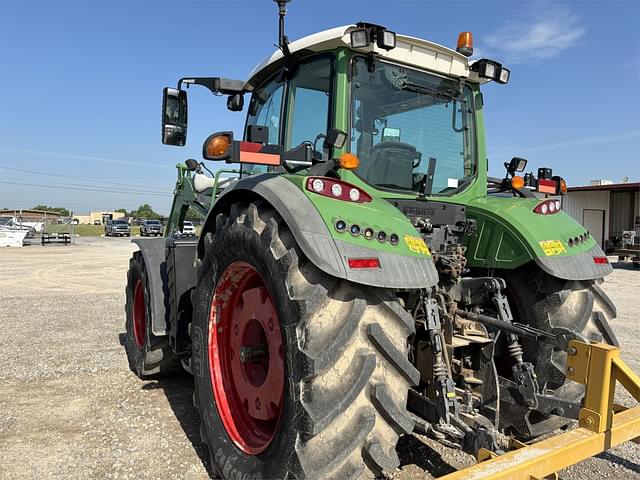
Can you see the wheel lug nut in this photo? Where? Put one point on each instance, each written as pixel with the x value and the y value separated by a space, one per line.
pixel 257 404
pixel 271 324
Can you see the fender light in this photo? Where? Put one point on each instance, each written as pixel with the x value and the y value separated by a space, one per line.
pixel 330 187
pixel 600 260
pixel 364 262
pixel 548 207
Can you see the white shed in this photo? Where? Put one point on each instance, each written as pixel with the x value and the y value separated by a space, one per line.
pixel 606 210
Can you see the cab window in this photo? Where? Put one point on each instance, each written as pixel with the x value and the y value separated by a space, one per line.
pixel 309 101
pixel 266 106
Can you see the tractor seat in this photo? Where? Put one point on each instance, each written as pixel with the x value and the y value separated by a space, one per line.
pixel 392 163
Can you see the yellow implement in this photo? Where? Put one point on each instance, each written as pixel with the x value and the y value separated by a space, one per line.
pixel 603 424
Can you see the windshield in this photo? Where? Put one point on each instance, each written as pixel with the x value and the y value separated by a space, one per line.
pixel 153 222
pixel 120 222
pixel 406 122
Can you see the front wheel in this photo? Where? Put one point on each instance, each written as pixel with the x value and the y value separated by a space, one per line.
pixel 149 355
pixel 297 374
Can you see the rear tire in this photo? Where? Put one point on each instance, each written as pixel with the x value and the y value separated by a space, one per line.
pixel 346 370
pixel 545 302
pixel 149 355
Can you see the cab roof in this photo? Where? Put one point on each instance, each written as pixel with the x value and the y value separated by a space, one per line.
pixel 409 50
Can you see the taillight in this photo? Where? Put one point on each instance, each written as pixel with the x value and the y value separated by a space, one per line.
pixel 364 262
pixel 600 260
pixel 548 207
pixel 330 187
pixel 547 186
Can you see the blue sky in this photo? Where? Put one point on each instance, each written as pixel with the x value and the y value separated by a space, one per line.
pixel 81 83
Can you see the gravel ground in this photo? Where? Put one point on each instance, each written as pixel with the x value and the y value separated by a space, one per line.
pixel 70 407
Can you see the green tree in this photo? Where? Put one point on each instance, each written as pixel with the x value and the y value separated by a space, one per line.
pixel 59 210
pixel 144 211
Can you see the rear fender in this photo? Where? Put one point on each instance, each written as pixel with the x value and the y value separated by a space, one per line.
pixel 153 253
pixel 509 234
pixel 315 240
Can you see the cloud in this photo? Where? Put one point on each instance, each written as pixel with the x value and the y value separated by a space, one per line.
pixel 540 34
pixel 577 142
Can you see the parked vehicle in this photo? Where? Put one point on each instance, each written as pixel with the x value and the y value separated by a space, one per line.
pixel 361 272
pixel 150 228
pixel 117 228
pixel 12 223
pixel 188 229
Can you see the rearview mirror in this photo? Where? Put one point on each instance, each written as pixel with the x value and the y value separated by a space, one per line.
pixel 390 134
pixel 174 117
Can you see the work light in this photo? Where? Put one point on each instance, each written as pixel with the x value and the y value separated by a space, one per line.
pixel 492 70
pixel 359 38
pixel 386 39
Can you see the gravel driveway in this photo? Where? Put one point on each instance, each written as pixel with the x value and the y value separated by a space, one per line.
pixel 70 407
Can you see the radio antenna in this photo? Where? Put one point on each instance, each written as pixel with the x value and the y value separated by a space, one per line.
pixel 283 41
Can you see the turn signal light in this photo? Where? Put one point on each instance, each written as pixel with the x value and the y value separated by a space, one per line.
pixel 216 146
pixel 348 161
pixel 465 44
pixel 517 182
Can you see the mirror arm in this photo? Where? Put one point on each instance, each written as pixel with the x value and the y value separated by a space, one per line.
pixel 217 85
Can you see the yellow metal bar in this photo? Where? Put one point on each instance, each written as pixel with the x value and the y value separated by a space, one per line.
pixel 548 456
pixel 602 423
pixel 629 380
pixel 597 411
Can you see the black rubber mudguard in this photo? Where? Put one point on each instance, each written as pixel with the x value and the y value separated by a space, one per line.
pixel 577 267
pixel 153 253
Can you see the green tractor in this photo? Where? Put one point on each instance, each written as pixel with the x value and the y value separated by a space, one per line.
pixel 358 275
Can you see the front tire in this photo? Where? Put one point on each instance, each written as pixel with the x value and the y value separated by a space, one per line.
pixel 345 375
pixel 149 355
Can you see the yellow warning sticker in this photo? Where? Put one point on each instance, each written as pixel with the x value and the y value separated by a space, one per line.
pixel 416 244
pixel 552 247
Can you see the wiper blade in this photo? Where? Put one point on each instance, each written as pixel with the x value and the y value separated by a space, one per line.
pixel 424 90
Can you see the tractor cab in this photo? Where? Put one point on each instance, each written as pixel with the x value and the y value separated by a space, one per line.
pixel 407 109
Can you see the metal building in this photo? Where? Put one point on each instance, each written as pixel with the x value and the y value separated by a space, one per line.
pixel 605 209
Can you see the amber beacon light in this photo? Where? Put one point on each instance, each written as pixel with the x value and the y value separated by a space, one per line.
pixel 465 44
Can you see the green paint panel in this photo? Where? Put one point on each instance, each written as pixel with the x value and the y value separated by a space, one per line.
pixel 509 232
pixel 377 214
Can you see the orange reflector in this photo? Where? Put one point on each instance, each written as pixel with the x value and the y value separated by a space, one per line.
pixel 348 161
pixel 517 182
pixel 563 186
pixel 465 44
pixel 218 145
pixel 364 263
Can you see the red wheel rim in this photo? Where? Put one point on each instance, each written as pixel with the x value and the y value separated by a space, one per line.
pixel 246 358
pixel 139 315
